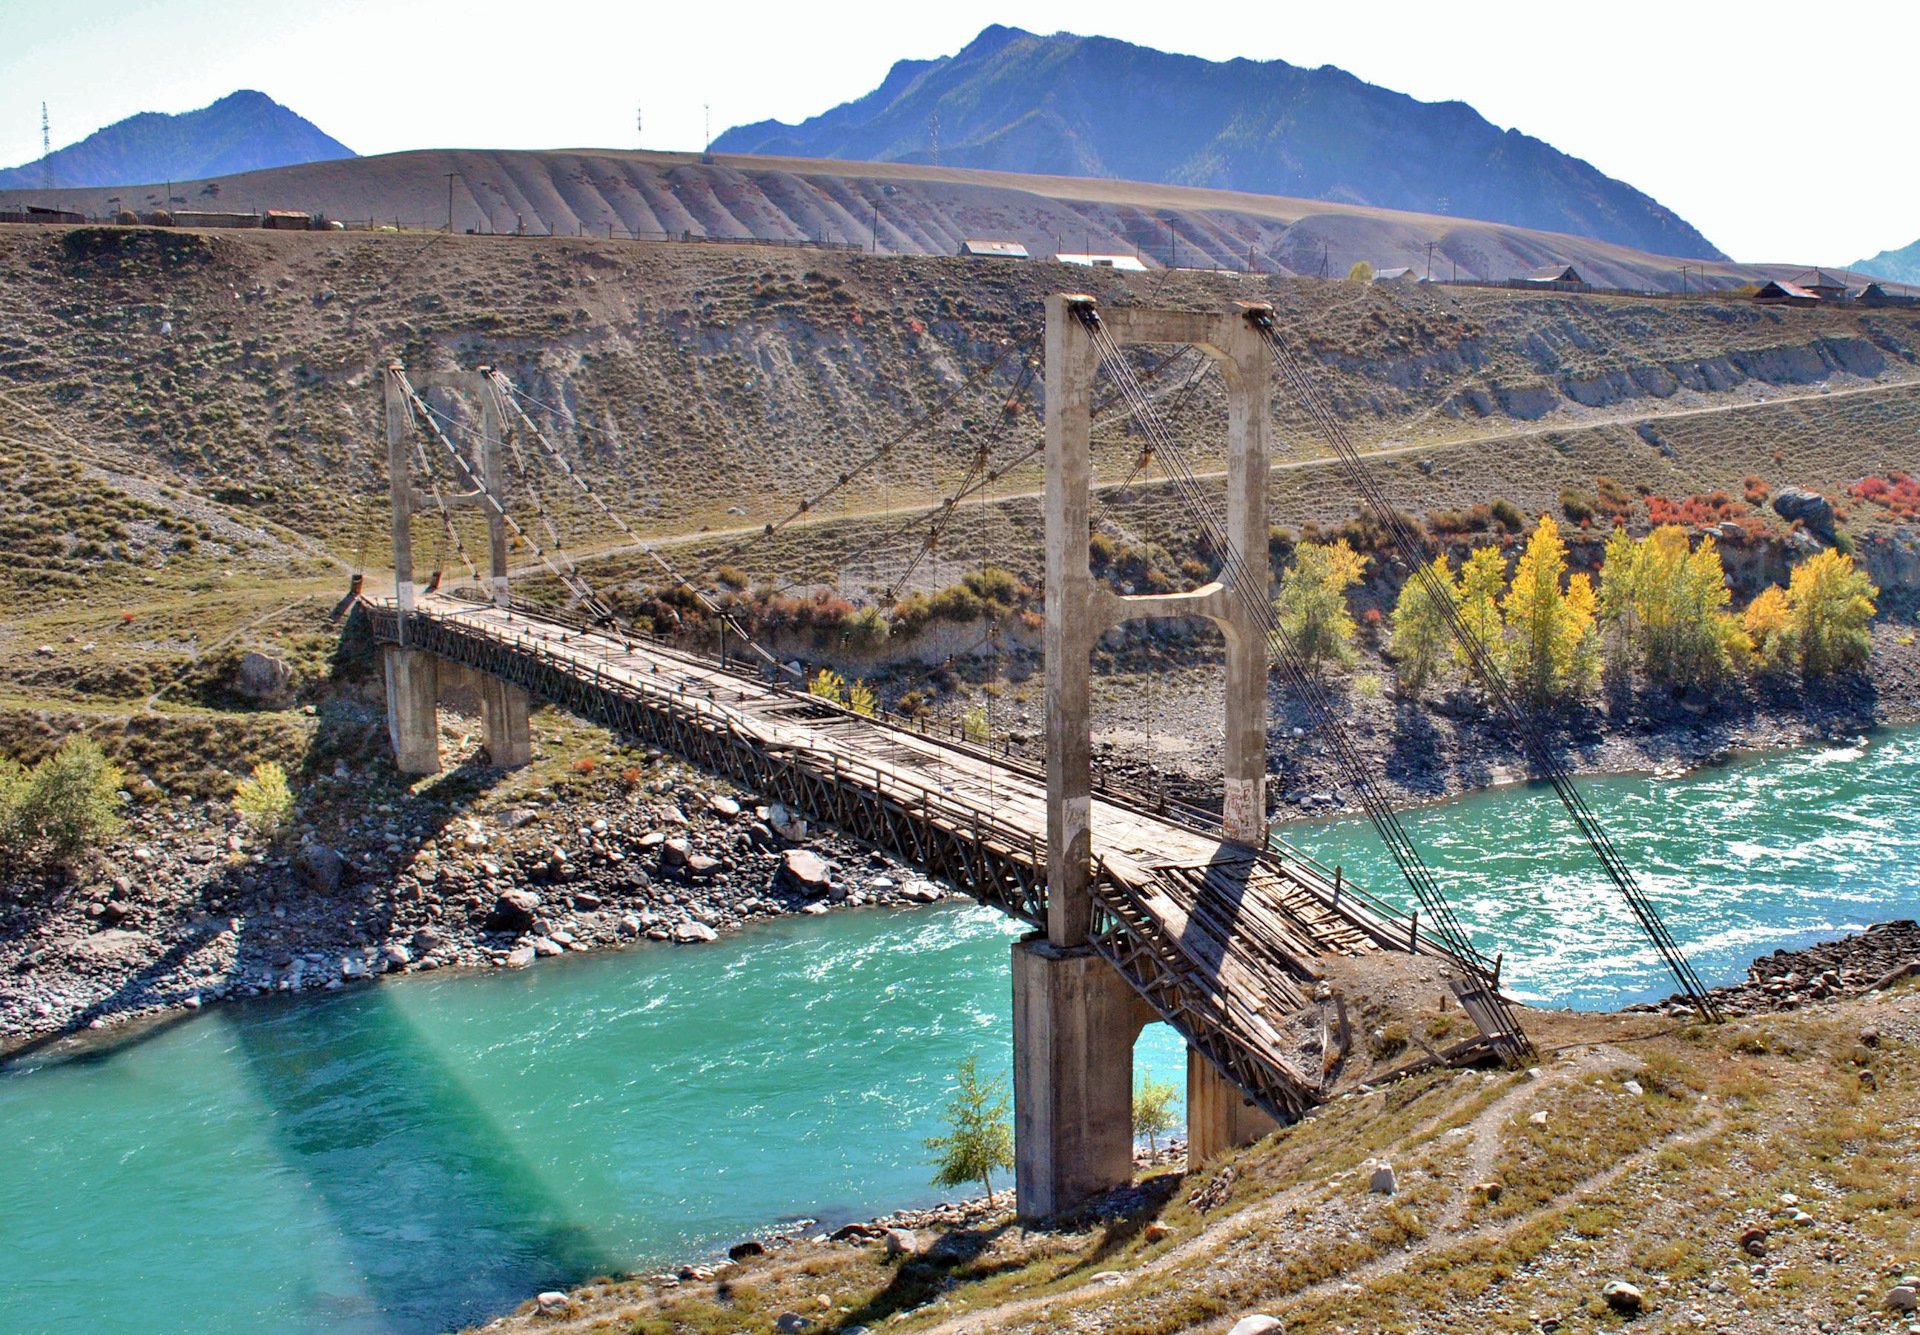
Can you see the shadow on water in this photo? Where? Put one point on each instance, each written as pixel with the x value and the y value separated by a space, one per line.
pixel 444 1222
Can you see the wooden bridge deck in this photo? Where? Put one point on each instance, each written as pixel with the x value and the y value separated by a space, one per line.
pixel 1220 939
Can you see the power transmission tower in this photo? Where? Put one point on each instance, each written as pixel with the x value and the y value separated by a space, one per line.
pixel 46 147
pixel 639 126
pixel 933 131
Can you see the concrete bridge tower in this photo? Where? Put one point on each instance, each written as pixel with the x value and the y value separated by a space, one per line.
pixel 415 678
pixel 1075 1019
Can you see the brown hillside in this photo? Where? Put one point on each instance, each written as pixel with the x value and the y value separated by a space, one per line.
pixel 895 209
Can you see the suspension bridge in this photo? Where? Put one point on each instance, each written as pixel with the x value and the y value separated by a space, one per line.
pixel 1141 911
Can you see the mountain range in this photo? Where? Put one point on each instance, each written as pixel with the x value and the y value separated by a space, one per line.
pixel 243 131
pixel 1067 105
pixel 1902 265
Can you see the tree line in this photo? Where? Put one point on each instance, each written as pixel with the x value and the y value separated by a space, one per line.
pixel 1662 607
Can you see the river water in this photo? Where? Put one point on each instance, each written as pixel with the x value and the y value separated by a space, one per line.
pixel 426 1153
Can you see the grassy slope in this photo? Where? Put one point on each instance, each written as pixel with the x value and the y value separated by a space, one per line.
pixel 1654 1188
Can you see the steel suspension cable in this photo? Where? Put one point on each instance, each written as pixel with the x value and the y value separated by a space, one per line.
pixel 1487 669
pixel 1251 595
pixel 586 489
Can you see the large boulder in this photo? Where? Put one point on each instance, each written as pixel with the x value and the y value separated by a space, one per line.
pixel 319 867
pixel 262 678
pixel 806 870
pixel 1809 507
pixel 513 911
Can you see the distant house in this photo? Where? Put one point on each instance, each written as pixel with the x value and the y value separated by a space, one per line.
pixel 1822 285
pixel 1400 275
pixel 33 213
pixel 287 220
pixel 1874 294
pixel 1560 277
pixel 1779 292
pixel 1129 262
pixel 993 250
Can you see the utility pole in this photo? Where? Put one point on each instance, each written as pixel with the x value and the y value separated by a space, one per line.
pixel 450 176
pixel 876 227
pixel 1429 261
pixel 706 109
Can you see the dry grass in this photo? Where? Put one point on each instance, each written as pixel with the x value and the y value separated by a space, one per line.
pixel 1653 1188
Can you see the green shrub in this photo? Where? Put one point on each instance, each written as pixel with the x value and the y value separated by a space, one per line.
pixel 63 806
pixel 1576 505
pixel 264 801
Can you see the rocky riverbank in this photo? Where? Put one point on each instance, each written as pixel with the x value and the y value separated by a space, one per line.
pixel 185 908
pixel 1165 734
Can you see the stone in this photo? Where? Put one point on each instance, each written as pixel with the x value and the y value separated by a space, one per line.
pixel 1753 1241
pixel 922 892
pixel 1622 1297
pixel 352 967
pixel 902 1242
pixel 1539 1118
pixel 1157 1232
pixel 1870 1037
pixel 1901 1298
pixel 395 957
pixel 519 957
pixel 740 1251
pixel 629 924
pixel 586 903
pixel 319 868
pixel 1382 1180
pixel 262 677
pixel 1257 1324
pixel 806 870
pixel 791 1323
pixel 701 866
pixel 1633 1087
pixel 427 940
pixel 553 1303
pixel 786 824
pixel 546 947
pixel 675 852
pixel 688 933
pixel 513 911
pixel 1489 1191
pixel 1809 507
pixel 723 806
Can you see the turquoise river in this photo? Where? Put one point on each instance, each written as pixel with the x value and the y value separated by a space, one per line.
pixel 426 1153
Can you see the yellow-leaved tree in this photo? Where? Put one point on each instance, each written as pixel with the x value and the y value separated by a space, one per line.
pixel 1668 600
pixel 1830 604
pixel 1420 633
pixel 1768 622
pixel 1477 594
pixel 1312 604
pixel 1552 649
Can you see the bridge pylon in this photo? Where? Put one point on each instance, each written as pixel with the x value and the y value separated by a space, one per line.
pixel 1075 1019
pixel 414 677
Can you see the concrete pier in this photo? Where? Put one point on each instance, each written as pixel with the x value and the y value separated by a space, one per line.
pixel 1074 1024
pixel 413 688
pixel 503 722
pixel 1219 1116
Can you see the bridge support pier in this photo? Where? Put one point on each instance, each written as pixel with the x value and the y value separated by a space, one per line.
pixel 1074 1023
pixel 413 688
pixel 1219 1116
pixel 503 722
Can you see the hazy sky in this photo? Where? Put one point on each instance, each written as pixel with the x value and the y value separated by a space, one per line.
pixel 1780 137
